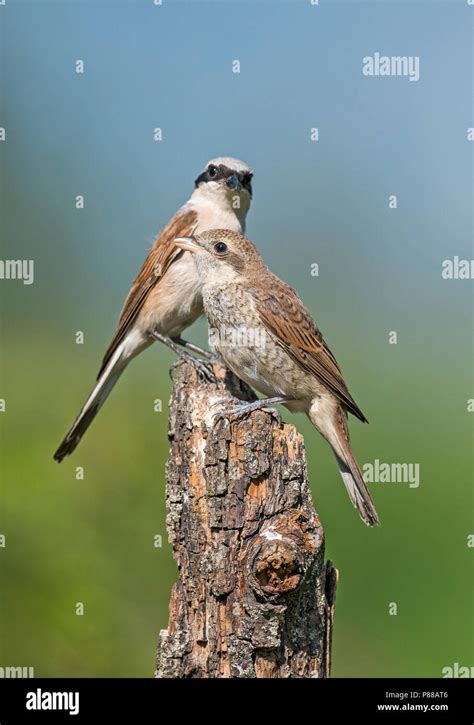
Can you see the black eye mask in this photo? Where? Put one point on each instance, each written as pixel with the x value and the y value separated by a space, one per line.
pixel 223 172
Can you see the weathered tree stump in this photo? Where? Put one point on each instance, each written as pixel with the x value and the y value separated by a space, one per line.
pixel 254 596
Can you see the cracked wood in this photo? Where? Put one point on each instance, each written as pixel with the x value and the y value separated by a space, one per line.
pixel 254 597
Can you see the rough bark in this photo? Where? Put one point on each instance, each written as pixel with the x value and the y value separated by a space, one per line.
pixel 254 597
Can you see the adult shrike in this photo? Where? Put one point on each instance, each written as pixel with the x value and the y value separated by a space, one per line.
pixel 165 297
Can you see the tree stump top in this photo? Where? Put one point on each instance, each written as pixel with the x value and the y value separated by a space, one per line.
pixel 254 597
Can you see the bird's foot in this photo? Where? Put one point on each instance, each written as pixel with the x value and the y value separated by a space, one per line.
pixel 195 348
pixel 244 408
pixel 230 399
pixel 203 368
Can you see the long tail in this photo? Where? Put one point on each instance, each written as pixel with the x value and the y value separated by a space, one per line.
pixel 358 491
pixel 93 404
pixel 333 426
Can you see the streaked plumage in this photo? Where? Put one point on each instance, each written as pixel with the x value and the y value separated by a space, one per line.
pixel 294 362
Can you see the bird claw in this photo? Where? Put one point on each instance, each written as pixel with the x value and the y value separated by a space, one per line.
pixel 206 354
pixel 244 409
pixel 223 400
pixel 273 412
pixel 204 369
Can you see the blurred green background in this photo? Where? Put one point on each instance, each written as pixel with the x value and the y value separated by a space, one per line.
pixel 325 202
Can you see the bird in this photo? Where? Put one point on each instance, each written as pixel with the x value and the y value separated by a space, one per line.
pixel 266 336
pixel 165 296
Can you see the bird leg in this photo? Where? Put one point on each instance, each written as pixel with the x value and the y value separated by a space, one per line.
pixel 194 348
pixel 204 369
pixel 244 408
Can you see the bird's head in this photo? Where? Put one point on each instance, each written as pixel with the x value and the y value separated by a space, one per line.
pixel 228 180
pixel 222 255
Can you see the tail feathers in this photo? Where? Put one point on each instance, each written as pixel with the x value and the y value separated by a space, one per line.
pixel 91 407
pixel 358 491
pixel 333 426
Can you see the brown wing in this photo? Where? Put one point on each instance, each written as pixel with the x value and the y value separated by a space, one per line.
pixel 286 317
pixel 161 256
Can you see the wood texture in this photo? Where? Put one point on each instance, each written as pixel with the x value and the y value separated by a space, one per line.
pixel 254 597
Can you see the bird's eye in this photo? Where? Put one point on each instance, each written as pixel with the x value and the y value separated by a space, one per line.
pixel 247 180
pixel 220 247
pixel 212 171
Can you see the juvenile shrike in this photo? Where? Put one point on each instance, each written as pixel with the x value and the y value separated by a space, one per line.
pixel 288 360
pixel 165 297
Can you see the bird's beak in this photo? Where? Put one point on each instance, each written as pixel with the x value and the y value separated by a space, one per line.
pixel 189 244
pixel 233 182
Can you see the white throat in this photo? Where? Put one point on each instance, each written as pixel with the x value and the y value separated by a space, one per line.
pixel 219 207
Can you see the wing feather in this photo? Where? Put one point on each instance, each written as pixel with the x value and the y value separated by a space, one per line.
pixel 159 259
pixel 285 316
